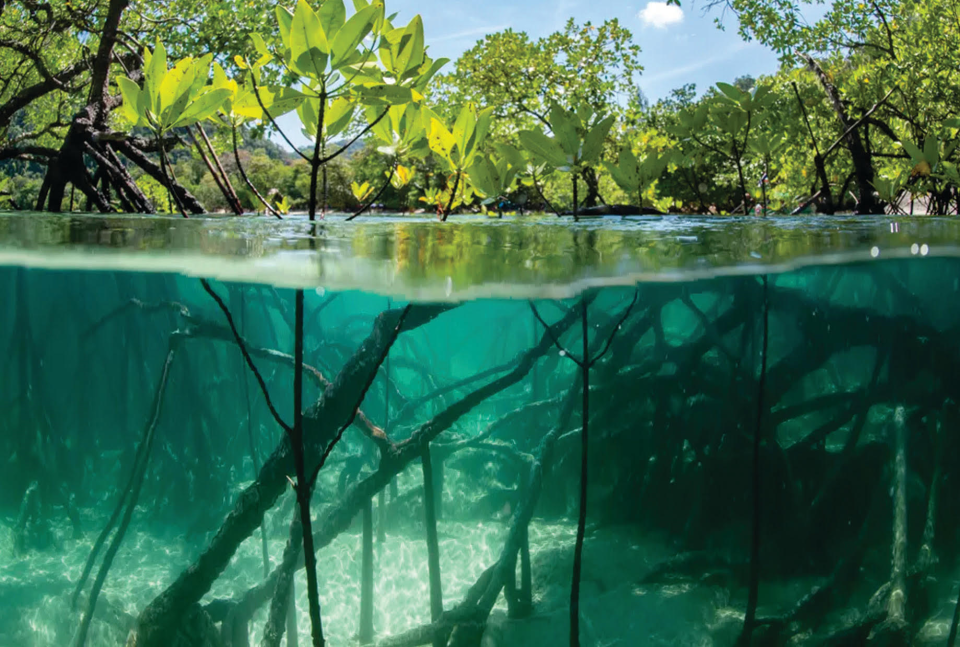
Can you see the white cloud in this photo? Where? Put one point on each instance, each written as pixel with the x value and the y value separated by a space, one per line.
pixel 661 15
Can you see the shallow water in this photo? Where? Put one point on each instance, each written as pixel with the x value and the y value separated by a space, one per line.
pixel 834 340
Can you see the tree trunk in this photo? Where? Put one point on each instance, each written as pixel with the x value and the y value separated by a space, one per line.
pixel 862 160
pixel 593 187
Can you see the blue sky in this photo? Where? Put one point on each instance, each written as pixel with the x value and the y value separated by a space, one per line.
pixel 680 45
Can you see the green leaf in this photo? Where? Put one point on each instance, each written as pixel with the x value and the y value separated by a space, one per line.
pixel 382 130
pixel 931 150
pixel 205 106
pixel 259 44
pixel 389 46
pixel 543 147
pixel 593 142
pixel 411 50
pixel 441 140
pixel 628 162
pixel 153 73
pixel 464 127
pixel 622 180
pixel 175 87
pixel 564 125
pixel 285 23
pixel 732 92
pixel 427 71
pixel 309 113
pixel 761 95
pixel 282 100
pixel 352 34
pixel 385 94
pixel 332 15
pixel 401 177
pixel 950 171
pixel 202 73
pixel 483 126
pixel 913 151
pixel 484 177
pixel 361 191
pixel 131 108
pixel 337 116
pixel 510 154
pixel 308 43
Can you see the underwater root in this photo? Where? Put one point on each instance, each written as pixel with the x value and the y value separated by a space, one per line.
pixel 158 621
pixel 129 497
pixel 653 394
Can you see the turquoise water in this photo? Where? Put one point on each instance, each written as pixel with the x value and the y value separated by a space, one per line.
pixel 833 342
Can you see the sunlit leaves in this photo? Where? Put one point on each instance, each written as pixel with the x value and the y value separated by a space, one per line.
pixel 361 191
pixel 172 98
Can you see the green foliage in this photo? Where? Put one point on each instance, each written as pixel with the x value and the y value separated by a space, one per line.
pixel 633 175
pixel 893 65
pixel 170 98
pixel 521 78
pixel 361 191
pixel 495 176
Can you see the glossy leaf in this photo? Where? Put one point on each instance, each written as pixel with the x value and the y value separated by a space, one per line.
pixel 352 34
pixel 205 106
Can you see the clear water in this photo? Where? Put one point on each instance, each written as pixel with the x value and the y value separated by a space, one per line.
pixel 856 399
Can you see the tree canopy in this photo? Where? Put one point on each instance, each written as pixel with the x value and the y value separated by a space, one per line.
pixel 862 114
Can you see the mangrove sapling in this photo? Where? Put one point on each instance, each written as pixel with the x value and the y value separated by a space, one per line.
pixel 585 363
pixel 497 176
pixel 402 133
pixel 170 99
pixel 633 175
pixel 577 142
pixel 456 150
pixel 364 207
pixel 337 71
